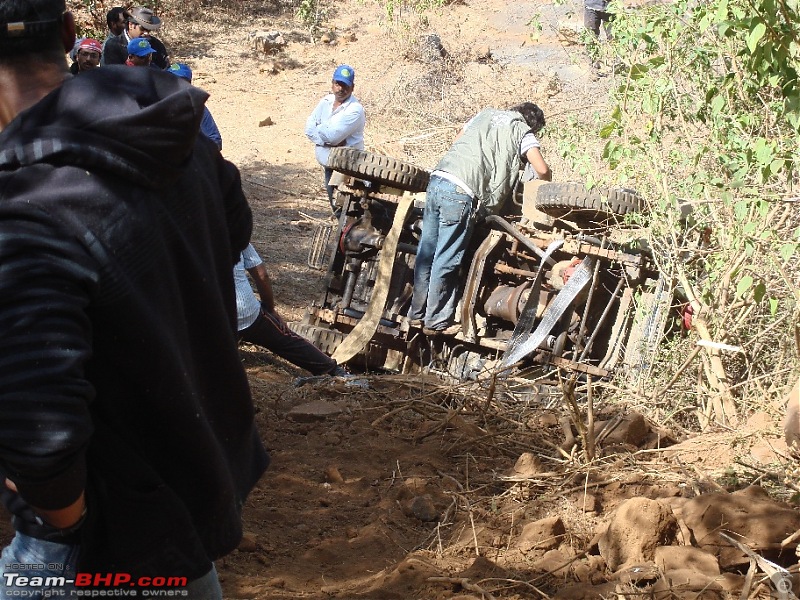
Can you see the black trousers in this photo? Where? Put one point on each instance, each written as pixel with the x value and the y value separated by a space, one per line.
pixel 593 19
pixel 273 334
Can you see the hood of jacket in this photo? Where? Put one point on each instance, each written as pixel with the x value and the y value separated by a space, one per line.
pixel 137 123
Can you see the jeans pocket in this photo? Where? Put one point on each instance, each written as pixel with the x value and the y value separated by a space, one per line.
pixel 454 210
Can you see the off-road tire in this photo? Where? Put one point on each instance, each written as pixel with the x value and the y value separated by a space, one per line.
pixel 574 202
pixel 378 168
pixel 325 339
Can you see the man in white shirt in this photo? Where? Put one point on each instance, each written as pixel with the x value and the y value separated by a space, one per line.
pixel 338 120
pixel 259 324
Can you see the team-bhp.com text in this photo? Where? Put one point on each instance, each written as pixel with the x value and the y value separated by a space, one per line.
pixel 92 585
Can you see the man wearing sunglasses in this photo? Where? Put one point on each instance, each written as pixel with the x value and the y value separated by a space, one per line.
pixel 142 22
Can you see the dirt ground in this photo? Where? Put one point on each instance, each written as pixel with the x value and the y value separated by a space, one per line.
pixel 412 488
pixel 390 487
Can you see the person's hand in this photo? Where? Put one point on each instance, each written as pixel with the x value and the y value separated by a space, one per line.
pixel 60 518
pixel 272 313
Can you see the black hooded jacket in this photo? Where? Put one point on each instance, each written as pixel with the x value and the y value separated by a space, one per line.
pixel 119 372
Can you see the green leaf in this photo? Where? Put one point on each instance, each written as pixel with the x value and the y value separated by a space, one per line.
pixel 787 251
pixel 607 130
pixel 740 209
pixel 745 283
pixel 755 36
pixel 773 306
pixel 776 166
pixel 759 291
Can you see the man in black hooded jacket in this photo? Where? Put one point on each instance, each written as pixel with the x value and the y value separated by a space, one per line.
pixel 127 440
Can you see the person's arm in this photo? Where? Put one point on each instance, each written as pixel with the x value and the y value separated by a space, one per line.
pixel 313 122
pixel 342 125
pixel 45 426
pixel 208 127
pixel 254 265
pixel 60 518
pixel 264 286
pixel 536 160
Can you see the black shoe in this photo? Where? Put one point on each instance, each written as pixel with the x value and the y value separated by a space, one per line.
pixel 340 371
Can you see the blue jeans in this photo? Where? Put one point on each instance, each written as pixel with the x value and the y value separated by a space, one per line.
pixel 31 557
pixel 447 225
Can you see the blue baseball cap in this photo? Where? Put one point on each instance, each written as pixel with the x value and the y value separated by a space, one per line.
pixel 345 74
pixel 140 47
pixel 181 70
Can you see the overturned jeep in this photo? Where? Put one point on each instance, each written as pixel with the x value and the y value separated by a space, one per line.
pixel 552 285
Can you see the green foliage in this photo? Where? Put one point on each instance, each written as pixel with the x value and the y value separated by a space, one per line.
pixel 707 114
pixel 535 24
pixel 309 14
pixel 395 8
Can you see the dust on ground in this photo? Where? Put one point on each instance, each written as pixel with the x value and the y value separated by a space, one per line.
pixel 389 487
pixel 395 488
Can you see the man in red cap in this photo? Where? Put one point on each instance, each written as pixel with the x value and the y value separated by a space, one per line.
pixel 87 56
pixel 127 435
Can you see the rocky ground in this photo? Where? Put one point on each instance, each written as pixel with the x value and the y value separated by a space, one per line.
pixel 389 487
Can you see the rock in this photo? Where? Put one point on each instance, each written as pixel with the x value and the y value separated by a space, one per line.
pixel 276 582
pixel 589 503
pixel 483 568
pixel 641 574
pixel 597 568
pixel 554 562
pixel 332 475
pixel 267 41
pixel 544 534
pixel 527 465
pixel 332 438
pixel 637 527
pixel 673 558
pixel 547 419
pixel 732 583
pixel 317 410
pixel 581 591
pixel 582 571
pixel 431 49
pixel 482 53
pixel 272 67
pixel 412 486
pixel 266 122
pixel 249 542
pixel 750 513
pixel 685 584
pixel 632 429
pixel 422 508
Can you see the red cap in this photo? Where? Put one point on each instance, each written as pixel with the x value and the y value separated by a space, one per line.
pixel 90 44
